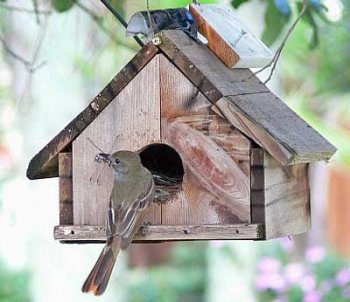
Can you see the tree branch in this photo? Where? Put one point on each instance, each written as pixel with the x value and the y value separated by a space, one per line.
pixel 284 41
pixel 25 10
pixel 17 57
pixel 99 22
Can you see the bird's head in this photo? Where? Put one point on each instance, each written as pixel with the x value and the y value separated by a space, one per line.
pixel 122 162
pixel 138 24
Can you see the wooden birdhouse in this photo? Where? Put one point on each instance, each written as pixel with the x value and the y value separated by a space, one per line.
pixel 239 155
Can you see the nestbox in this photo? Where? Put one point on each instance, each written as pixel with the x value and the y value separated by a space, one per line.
pixel 239 153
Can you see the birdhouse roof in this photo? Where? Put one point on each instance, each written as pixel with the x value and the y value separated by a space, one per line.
pixel 236 94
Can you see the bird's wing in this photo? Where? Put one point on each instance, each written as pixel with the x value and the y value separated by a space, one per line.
pixel 127 219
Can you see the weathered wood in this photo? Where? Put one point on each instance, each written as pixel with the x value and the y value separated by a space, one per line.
pixel 204 69
pixel 274 126
pixel 155 233
pixel 65 188
pixel 280 196
pixel 229 38
pixel 45 163
pixel 214 80
pixel 215 185
pixel 130 122
pixel 257 186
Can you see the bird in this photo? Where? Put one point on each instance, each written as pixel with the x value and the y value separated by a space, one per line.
pixel 149 23
pixel 132 193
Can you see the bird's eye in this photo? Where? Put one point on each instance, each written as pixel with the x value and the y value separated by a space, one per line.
pixel 117 161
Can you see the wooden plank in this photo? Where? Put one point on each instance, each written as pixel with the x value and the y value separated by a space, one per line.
pixel 65 188
pixel 218 191
pixel 274 126
pixel 287 198
pixel 255 110
pixel 130 122
pixel 45 163
pixel 229 38
pixel 257 185
pixel 156 233
pixel 204 70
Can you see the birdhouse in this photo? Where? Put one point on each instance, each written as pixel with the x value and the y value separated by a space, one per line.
pixel 236 154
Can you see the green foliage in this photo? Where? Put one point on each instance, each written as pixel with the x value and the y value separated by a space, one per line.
pixel 237 3
pixel 14 286
pixel 278 13
pixel 182 279
pixel 275 22
pixel 62 5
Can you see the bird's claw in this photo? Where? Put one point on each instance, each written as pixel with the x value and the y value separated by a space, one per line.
pixel 143 228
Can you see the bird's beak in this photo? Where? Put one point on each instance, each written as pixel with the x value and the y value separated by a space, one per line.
pixel 103 157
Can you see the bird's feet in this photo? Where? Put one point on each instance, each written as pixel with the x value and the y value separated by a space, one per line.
pixel 143 228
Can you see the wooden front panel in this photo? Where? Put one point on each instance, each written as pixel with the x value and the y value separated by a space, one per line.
pixel 216 157
pixel 280 196
pixel 131 121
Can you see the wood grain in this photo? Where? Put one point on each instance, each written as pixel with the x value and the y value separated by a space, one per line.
pixel 280 196
pixel 257 186
pixel 229 38
pixel 275 127
pixel 201 201
pixel 204 69
pixel 65 188
pixel 248 104
pixel 156 233
pixel 45 163
pixel 130 122
pixel 215 41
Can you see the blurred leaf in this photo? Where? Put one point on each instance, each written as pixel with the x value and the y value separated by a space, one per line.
pixel 184 278
pixel 237 3
pixel 274 23
pixel 310 20
pixel 283 7
pixel 62 5
pixel 316 4
pixel 119 6
pixel 14 286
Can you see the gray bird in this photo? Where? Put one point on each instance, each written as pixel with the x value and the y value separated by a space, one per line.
pixel 148 23
pixel 132 193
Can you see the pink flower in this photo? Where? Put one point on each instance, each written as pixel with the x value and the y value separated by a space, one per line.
pixel 269 265
pixel 308 283
pixel 343 277
pixel 315 254
pixel 272 281
pixel 262 283
pixel 346 292
pixel 287 244
pixel 313 296
pixel 326 286
pixel 294 272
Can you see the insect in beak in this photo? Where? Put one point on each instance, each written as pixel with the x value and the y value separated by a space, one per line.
pixel 103 157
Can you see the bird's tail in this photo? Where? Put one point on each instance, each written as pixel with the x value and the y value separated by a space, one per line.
pixel 99 276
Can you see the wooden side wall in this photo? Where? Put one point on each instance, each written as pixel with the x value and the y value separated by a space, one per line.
pixel 280 196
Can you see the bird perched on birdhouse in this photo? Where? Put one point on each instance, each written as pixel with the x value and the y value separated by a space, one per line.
pixel 149 23
pixel 132 193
